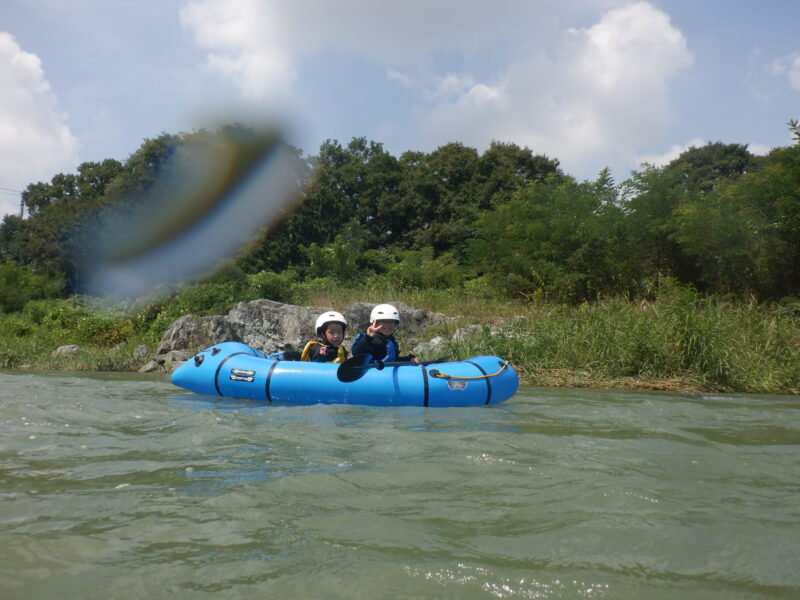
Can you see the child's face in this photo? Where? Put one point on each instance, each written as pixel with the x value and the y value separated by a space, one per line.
pixel 334 334
pixel 385 326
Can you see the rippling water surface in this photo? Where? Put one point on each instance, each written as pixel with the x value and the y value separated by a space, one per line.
pixel 124 487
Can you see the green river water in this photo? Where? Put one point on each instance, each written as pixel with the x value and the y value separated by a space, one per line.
pixel 127 487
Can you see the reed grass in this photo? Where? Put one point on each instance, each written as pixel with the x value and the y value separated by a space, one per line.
pixel 705 345
pixel 678 340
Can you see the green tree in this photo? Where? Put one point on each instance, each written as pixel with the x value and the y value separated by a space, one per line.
pixel 700 169
pixel 794 129
pixel 343 185
pixel 654 196
pixel 436 194
pixel 744 234
pixel 19 285
pixel 650 200
pixel 559 236
pixel 42 240
pixel 505 168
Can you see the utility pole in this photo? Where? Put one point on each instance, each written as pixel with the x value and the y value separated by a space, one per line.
pixel 10 192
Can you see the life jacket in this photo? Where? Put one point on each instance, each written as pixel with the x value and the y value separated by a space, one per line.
pixel 391 349
pixel 306 354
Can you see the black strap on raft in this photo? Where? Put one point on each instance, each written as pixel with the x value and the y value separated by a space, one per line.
pixel 487 379
pixel 269 378
pixel 219 368
pixel 424 386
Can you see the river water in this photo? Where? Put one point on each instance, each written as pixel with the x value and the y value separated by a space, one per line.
pixel 126 487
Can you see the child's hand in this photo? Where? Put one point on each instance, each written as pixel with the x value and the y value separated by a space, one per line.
pixel 384 327
pixel 324 351
pixel 415 360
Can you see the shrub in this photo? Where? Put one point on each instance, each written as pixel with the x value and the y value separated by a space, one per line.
pixel 19 285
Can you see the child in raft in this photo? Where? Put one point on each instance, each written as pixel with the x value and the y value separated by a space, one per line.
pixel 379 338
pixel 330 328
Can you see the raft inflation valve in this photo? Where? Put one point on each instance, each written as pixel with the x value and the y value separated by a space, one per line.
pixel 198 359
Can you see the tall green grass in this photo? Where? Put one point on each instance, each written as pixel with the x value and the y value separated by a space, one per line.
pixel 676 340
pixel 107 337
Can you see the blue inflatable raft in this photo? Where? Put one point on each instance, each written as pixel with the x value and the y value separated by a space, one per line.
pixel 233 369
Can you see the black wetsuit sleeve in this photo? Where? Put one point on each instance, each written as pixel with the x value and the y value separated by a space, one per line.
pixel 375 345
pixel 315 356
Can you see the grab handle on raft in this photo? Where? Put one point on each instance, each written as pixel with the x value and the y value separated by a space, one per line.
pixel 354 368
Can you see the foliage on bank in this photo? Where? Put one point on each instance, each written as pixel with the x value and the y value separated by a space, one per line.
pixel 717 218
pixel 688 273
pixel 679 340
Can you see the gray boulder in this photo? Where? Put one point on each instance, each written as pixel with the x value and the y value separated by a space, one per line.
pixel 272 326
pixel 413 321
pixel 464 334
pixel 151 367
pixel 195 333
pixel 434 348
pixel 173 359
pixel 65 350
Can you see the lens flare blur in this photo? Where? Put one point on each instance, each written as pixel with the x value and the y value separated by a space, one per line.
pixel 213 195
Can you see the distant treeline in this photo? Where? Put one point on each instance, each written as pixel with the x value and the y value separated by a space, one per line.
pixel 506 222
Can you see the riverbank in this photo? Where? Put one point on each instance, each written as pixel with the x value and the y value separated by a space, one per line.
pixel 679 341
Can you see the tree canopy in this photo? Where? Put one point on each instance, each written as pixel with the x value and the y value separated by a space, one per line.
pixel 717 218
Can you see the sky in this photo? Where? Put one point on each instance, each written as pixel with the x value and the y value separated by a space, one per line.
pixel 591 83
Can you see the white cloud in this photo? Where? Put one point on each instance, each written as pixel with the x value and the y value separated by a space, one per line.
pixel 35 141
pixel 453 85
pixel 259 44
pixel 248 41
pixel 401 78
pixel 521 74
pixel 600 93
pixel 659 160
pixel 789 66
pixel 759 149
pixel 465 92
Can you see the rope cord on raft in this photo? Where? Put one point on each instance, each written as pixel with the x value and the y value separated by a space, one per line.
pixel 440 375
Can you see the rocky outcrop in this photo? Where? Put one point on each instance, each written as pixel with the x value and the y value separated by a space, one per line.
pixel 414 321
pixel 273 327
pixel 437 346
pixel 166 362
pixel 65 350
pixel 193 333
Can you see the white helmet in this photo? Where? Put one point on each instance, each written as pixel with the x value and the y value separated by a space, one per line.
pixel 384 311
pixel 329 317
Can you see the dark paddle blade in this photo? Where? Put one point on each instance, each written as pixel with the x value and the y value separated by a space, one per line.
pixel 353 368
